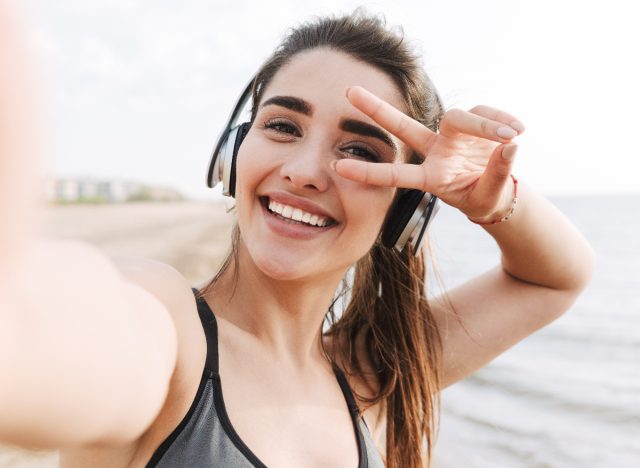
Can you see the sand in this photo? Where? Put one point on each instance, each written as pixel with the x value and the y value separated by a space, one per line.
pixel 191 236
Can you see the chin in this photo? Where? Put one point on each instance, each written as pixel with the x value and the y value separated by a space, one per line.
pixel 283 267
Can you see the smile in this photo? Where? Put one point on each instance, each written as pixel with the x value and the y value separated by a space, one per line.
pixel 296 214
pixel 294 222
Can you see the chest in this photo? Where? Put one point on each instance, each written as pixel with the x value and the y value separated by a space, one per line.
pixel 288 422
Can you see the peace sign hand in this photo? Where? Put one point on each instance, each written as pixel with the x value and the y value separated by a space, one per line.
pixel 467 164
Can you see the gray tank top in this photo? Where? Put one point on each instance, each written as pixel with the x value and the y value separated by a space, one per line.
pixel 205 436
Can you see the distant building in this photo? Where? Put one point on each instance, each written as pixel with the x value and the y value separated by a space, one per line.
pixel 94 190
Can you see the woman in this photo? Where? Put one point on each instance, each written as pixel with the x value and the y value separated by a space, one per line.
pixel 342 117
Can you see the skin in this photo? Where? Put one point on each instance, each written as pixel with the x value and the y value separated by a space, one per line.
pixel 287 284
pixel 273 374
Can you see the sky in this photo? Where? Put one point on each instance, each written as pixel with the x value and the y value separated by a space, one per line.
pixel 140 90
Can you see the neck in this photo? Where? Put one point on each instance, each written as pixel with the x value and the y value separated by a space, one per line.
pixel 286 316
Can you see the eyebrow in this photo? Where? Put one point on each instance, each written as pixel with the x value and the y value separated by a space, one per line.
pixel 365 129
pixel 290 102
pixel 358 127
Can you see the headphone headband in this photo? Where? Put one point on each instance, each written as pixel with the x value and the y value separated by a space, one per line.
pixel 215 172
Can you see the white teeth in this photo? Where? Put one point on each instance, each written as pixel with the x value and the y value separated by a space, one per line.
pixel 297 214
pixel 276 207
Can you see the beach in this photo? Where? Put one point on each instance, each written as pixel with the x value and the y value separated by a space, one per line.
pixel 568 396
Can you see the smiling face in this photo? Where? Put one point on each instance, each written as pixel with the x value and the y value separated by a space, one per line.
pixel 298 219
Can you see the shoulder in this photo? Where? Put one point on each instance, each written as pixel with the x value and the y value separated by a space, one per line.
pixel 172 289
pixel 168 286
pixel 161 280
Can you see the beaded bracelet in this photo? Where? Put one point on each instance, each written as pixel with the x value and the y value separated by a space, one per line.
pixel 513 206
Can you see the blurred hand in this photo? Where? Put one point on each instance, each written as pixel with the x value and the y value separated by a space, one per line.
pixel 467 164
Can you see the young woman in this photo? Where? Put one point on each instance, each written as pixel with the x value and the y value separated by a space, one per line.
pixel 122 363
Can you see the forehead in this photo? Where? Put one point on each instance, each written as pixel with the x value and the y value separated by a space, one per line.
pixel 323 75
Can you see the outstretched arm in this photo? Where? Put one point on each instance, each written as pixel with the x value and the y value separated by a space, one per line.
pixel 85 356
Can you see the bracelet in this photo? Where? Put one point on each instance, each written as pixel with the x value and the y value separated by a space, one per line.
pixel 513 206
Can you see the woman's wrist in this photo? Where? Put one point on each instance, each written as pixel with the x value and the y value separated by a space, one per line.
pixel 508 207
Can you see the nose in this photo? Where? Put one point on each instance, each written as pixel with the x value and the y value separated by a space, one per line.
pixel 307 166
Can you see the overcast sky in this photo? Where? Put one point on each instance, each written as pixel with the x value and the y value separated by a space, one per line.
pixel 139 90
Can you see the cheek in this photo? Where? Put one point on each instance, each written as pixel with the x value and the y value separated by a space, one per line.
pixel 366 209
pixel 250 169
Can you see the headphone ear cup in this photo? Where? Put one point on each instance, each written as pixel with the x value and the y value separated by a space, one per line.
pixel 242 133
pixel 399 215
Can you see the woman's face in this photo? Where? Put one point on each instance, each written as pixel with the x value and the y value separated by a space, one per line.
pixel 304 123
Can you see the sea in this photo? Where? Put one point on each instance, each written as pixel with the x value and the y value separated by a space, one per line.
pixel 567 396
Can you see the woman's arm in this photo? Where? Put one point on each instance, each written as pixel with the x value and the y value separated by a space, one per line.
pixel 539 244
pixel 546 263
pixel 85 356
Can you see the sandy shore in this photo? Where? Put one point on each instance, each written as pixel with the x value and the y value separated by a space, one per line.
pixel 191 236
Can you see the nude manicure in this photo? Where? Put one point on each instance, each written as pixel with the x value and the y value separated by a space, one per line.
pixel 506 132
pixel 517 125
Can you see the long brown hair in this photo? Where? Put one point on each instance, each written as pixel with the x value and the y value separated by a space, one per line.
pixel 387 306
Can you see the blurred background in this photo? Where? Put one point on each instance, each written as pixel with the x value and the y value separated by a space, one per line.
pixel 136 93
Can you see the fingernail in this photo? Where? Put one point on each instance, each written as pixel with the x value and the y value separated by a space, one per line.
pixel 517 126
pixel 506 132
pixel 509 152
pixel 333 165
pixel 347 92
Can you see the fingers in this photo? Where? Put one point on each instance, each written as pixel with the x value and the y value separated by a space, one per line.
pixel 480 122
pixel 499 116
pixel 382 174
pixel 412 132
pixel 490 189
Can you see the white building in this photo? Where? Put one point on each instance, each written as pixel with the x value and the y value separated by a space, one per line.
pixel 91 189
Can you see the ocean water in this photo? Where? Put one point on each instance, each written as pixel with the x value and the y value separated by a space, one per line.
pixel 567 396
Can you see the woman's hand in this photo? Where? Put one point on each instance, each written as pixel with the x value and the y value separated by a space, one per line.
pixel 467 164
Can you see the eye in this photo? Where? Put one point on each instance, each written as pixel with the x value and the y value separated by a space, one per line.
pixel 281 126
pixel 362 152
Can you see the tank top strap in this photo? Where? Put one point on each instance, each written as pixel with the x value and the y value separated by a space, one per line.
pixel 348 394
pixel 354 410
pixel 210 326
